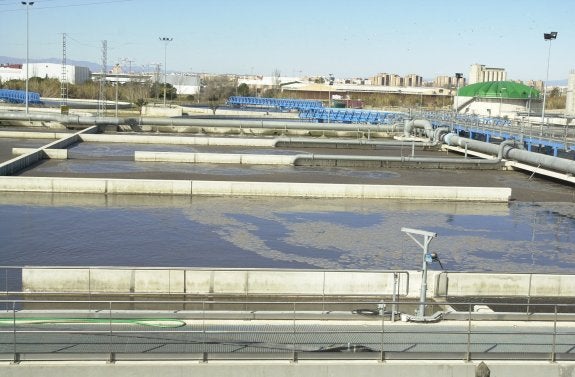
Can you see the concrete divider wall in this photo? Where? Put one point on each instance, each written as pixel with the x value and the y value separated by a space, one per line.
pixel 214 158
pixel 292 282
pixel 58 154
pixel 493 284
pixel 180 140
pixel 162 187
pixel 334 368
pixel 319 190
pixel 32 135
pixel 22 162
pixel 237 188
pixel 16 164
pixel 223 282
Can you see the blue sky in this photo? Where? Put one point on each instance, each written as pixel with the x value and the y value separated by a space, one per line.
pixel 354 38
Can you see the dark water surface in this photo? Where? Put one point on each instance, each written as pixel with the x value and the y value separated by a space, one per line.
pixel 98 230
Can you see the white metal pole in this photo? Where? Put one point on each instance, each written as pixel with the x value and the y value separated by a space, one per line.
pixel 27 4
pixel 545 91
pixel 166 40
pixel 165 69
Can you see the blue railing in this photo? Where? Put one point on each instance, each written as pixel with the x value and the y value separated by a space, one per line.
pixel 554 139
pixel 276 103
pixel 331 115
pixel 19 96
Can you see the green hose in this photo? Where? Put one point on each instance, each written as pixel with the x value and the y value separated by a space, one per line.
pixel 152 322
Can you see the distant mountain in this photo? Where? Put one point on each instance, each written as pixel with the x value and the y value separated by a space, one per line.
pixel 557 82
pixel 92 66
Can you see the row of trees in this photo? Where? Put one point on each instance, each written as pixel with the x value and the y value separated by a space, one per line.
pixel 131 92
pixel 214 92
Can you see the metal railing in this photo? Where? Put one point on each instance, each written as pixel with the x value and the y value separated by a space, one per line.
pixel 523 129
pixel 295 330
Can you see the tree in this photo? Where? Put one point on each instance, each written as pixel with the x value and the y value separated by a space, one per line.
pixel 157 91
pixel 140 102
pixel 243 90
pixel 216 90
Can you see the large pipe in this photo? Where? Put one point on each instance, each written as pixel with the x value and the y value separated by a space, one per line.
pixel 410 124
pixel 511 153
pixel 193 122
pixel 375 143
pixel 298 159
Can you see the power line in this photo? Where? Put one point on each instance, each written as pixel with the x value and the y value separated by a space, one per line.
pixel 38 7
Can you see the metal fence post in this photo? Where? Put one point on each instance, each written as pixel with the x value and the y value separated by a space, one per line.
pixel 294 354
pixel 204 352
pixel 554 346
pixel 16 355
pixel 468 354
pixel 382 355
pixel 112 356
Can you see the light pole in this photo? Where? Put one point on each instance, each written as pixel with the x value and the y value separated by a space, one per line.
pixel 27 4
pixel 501 99
pixel 427 258
pixel 458 77
pixel 166 40
pixel 548 37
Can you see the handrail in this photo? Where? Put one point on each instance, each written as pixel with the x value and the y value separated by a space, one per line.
pixel 116 333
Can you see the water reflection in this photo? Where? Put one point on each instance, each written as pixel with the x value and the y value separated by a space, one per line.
pixel 58 229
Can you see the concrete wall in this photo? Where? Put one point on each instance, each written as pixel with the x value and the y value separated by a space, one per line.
pixel 292 282
pixel 336 368
pixel 32 135
pixel 236 188
pixel 225 282
pixel 215 158
pixel 58 154
pixel 14 165
pixel 161 111
pixel 180 140
pixel 478 284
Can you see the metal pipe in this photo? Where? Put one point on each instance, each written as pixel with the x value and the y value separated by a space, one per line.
pixel 191 122
pixel 410 124
pixel 511 153
pixel 304 140
pixel 326 157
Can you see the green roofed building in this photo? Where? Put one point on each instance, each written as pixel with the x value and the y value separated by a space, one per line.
pixel 498 99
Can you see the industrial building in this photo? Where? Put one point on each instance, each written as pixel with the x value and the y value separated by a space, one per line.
pixel 71 74
pixel 448 82
pixel 388 79
pixel 185 84
pixel 481 73
pixel 498 99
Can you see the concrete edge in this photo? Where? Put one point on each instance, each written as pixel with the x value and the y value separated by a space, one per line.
pixel 245 188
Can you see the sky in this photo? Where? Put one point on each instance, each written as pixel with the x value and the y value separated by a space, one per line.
pixel 353 38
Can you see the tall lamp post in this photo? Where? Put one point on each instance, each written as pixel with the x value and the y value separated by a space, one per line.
pixel 166 40
pixel 458 77
pixel 27 4
pixel 427 258
pixel 548 37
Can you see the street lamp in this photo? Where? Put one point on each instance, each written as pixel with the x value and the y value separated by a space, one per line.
pixel 27 4
pixel 501 99
pixel 458 76
pixel 548 37
pixel 427 258
pixel 166 40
